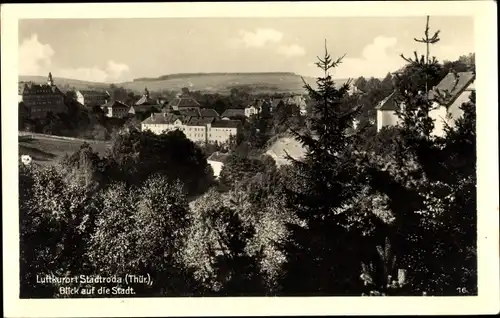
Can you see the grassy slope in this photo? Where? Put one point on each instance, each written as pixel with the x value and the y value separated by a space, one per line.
pixel 206 82
pixel 48 151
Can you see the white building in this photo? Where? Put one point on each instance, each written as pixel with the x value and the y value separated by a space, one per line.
pixel 251 110
pixel 447 97
pixel 216 161
pixel 197 129
pixel 116 109
pixel 455 90
pixel 91 98
pixel 386 112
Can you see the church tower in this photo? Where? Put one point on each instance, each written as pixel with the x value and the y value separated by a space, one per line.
pixel 146 92
pixel 50 80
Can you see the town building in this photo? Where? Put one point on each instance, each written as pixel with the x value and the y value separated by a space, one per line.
pixel 232 113
pixel 146 104
pixel 116 109
pixel 197 129
pixel 41 99
pixel 251 111
pixel 386 112
pixel 184 100
pixel 91 98
pixel 446 98
pixel 216 161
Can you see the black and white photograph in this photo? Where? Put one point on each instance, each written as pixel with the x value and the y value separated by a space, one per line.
pixel 249 157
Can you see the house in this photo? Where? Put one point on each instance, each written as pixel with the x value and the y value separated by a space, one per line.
pixel 116 109
pixel 386 112
pixel 216 161
pixel 233 113
pixel 446 98
pixel 141 109
pixel 220 131
pixel 39 100
pixel 146 100
pixel 91 98
pixel 251 110
pixel 184 100
pixel 453 91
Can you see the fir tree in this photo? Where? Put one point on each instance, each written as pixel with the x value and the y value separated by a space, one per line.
pixel 323 253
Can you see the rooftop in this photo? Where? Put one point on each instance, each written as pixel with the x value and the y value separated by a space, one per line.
pixel 218 156
pixel 233 112
pixel 115 103
pixel 226 123
pixel 451 86
pixel 86 93
pixel 183 101
pixel 31 88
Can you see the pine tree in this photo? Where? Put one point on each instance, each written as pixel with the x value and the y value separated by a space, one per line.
pixel 322 255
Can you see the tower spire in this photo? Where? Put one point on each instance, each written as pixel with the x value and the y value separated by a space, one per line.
pixel 146 92
pixel 50 80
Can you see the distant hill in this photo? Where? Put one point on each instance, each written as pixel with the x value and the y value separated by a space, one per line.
pixel 280 82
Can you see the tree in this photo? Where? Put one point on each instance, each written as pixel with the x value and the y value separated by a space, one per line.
pixel 433 234
pixel 217 248
pixel 327 172
pixel 361 83
pixel 57 222
pixel 137 155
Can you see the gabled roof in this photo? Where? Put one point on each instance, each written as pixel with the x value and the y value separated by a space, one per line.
pixel 388 103
pixel 199 121
pixel 451 86
pixel 145 100
pixel 39 89
pixel 158 119
pixel 209 112
pixel 233 112
pixel 87 93
pixel 218 156
pixel 189 112
pixel 226 123
pixel 183 101
pixel 143 108
pixel 115 104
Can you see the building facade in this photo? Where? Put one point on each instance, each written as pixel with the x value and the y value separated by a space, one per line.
pixel 446 98
pixel 41 99
pixel 449 95
pixel 251 111
pixel 197 129
pixel 116 109
pixel 90 98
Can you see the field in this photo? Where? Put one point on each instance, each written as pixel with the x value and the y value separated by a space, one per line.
pixel 211 82
pixel 46 150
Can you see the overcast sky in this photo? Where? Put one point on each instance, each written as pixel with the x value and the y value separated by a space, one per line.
pixel 116 50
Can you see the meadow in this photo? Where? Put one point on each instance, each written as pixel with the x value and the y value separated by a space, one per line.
pixel 46 150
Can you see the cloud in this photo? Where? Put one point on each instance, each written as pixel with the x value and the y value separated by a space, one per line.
pixel 291 50
pixel 113 72
pixel 258 38
pixel 34 57
pixel 376 60
pixel 116 70
pixel 266 38
pixel 93 74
